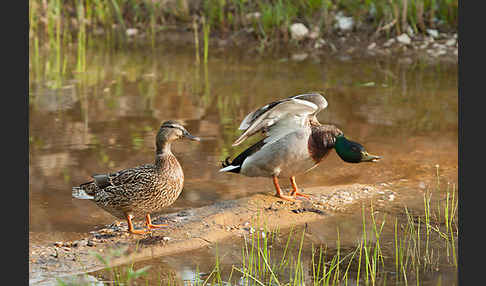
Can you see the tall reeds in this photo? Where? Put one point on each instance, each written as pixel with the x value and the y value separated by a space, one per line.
pixel 270 19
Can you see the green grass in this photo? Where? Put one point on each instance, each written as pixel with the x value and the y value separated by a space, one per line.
pixel 54 19
pixel 402 248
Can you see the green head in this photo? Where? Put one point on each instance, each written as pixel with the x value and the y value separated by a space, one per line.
pixel 352 152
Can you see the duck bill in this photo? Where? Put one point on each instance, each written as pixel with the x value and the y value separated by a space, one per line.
pixel 366 157
pixel 191 137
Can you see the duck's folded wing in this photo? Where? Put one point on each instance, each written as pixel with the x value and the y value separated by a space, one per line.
pixel 126 176
pixel 279 117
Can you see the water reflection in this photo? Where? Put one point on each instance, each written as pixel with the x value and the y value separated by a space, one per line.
pixel 105 118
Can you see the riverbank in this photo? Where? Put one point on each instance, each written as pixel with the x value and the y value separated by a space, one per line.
pixel 421 29
pixel 193 229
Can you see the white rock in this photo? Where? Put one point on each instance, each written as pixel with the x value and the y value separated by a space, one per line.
pixel 131 32
pixel 450 42
pixel 319 43
pixel 299 57
pixel 389 42
pixel 441 52
pixel 253 16
pixel 371 46
pixel 433 33
pixel 298 31
pixel 404 39
pixel 314 34
pixel 344 23
pixel 410 31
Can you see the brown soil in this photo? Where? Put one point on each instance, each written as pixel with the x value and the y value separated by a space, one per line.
pixel 344 45
pixel 193 228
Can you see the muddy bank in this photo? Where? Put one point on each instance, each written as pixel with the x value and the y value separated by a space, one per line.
pixel 191 229
pixel 409 47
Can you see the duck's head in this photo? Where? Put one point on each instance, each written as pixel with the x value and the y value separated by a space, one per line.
pixel 172 130
pixel 353 152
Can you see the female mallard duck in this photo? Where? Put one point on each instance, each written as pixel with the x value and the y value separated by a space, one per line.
pixel 144 189
pixel 294 142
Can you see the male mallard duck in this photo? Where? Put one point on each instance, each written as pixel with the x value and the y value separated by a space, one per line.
pixel 294 142
pixel 144 189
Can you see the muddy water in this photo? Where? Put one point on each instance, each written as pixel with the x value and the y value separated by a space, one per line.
pixel 104 119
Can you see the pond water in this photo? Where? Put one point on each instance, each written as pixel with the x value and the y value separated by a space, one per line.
pixel 105 118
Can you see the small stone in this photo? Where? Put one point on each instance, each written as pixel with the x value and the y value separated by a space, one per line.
pixel 131 32
pixel 410 31
pixel 433 33
pixel 371 46
pixel 314 34
pixel 298 31
pixel 319 43
pixel 389 43
pixel 299 57
pixel 166 238
pixel 441 53
pixel 404 39
pixel 253 16
pixel 344 23
pixel 450 42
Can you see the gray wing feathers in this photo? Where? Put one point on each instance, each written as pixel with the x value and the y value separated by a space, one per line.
pixel 278 118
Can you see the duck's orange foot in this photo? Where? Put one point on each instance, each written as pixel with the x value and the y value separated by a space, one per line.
pixel 150 226
pixel 295 190
pixel 279 194
pixel 138 231
pixel 132 229
pixel 287 198
pixel 297 194
pixel 148 223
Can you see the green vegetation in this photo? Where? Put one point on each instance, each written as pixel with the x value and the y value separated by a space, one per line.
pixel 268 20
pixel 403 248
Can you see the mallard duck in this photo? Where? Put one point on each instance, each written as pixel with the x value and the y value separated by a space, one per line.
pixel 294 142
pixel 144 189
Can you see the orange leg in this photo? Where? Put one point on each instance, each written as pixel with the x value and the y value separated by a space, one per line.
pixel 131 229
pixel 149 224
pixel 295 191
pixel 279 191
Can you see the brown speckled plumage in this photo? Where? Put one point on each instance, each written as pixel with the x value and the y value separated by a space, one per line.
pixel 143 189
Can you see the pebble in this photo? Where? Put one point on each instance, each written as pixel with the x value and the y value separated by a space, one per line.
pixel 298 31
pixel 131 32
pixel 253 16
pixel 404 39
pixel 433 33
pixel 319 43
pixel 314 34
pixel 371 46
pixel 344 23
pixel 299 57
pixel 450 42
pixel 389 43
